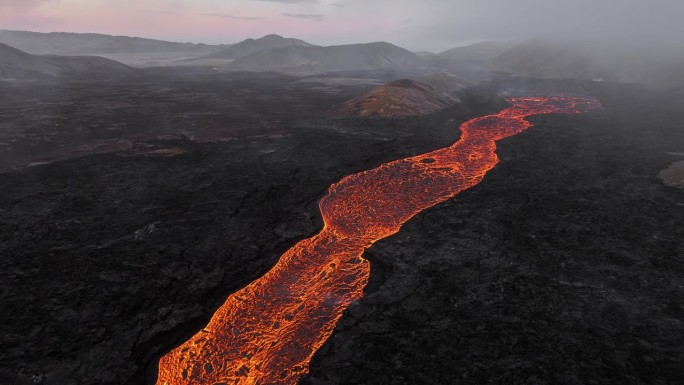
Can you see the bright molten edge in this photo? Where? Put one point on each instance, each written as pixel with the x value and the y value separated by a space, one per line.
pixel 267 332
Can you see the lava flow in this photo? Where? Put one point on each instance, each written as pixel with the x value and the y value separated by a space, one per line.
pixel 267 332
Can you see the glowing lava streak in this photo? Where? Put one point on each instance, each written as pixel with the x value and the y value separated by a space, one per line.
pixel 267 332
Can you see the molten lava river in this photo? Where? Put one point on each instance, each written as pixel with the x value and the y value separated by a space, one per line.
pixel 267 332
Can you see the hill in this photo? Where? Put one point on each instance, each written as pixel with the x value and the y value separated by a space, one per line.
pixel 16 64
pixel 478 52
pixel 251 46
pixel 406 97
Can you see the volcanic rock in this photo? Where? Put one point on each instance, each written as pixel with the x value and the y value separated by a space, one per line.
pixel 406 97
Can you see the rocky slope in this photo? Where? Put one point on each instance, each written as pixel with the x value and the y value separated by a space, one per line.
pixel 406 97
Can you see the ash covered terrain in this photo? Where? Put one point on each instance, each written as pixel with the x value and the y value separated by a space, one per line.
pixel 133 203
pixel 564 266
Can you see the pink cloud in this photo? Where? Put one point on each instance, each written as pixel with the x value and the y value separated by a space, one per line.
pixel 183 21
pixel 24 5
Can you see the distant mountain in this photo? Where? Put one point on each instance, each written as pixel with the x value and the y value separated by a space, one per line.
pixel 334 58
pixel 16 64
pixel 62 43
pixel 472 62
pixel 251 46
pixel 478 52
pixel 659 66
pixel 406 97
pixel 552 60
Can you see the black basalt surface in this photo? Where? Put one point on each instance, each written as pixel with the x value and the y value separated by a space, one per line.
pixel 108 261
pixel 564 266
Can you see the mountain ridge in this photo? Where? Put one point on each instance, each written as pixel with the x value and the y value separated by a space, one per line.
pixel 251 46
pixel 40 43
pixel 16 64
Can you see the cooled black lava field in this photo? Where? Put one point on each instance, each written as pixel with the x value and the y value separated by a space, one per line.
pixel 169 190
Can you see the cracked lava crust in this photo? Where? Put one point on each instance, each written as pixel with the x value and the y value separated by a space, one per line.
pixel 267 332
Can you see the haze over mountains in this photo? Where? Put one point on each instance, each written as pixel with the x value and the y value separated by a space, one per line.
pixel 334 58
pixel 476 53
pixel 16 64
pixel 65 43
pixel 540 59
pixel 545 59
pixel 251 46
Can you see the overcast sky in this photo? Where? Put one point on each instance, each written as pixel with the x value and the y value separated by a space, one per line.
pixel 415 24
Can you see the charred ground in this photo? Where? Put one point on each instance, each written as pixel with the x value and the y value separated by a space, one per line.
pixel 563 266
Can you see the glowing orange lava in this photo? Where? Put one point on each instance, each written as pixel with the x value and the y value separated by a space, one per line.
pixel 267 332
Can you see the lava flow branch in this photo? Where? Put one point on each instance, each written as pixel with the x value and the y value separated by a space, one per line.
pixel 267 332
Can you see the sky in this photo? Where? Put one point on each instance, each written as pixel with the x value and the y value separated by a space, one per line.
pixel 432 25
